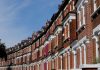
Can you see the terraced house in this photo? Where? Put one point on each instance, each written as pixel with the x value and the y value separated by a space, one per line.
pixel 69 41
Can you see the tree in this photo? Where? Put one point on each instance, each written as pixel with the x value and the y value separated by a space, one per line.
pixel 3 53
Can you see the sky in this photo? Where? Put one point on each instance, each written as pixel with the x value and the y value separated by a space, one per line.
pixel 20 18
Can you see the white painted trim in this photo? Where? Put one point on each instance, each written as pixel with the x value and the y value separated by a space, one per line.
pixel 32 64
pixel 28 54
pixel 96 29
pixel 95 11
pixel 97 46
pixel 41 47
pixel 83 15
pixel 73 5
pixel 24 55
pixel 79 7
pixel 79 4
pixel 18 57
pixel 75 69
pixel 45 43
pixel 69 61
pixel 40 62
pixel 94 2
pixel 58 16
pixel 67 4
pixel 90 66
pixel 51 37
pixel 47 66
pixel 54 56
pixel 49 58
pixel 86 1
pixel 84 53
pixel 36 50
pixel 83 39
pixel 74 52
pixel 75 45
pixel 61 61
pixel 68 31
pixel 64 51
pixel 80 55
pixel 59 28
pixel 72 16
pixel 38 66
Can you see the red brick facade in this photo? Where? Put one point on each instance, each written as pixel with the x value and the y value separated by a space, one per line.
pixel 69 41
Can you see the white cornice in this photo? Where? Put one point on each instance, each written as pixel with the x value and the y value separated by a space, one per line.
pixel 51 37
pixel 77 44
pixel 90 66
pixel 72 16
pixel 96 29
pixel 57 30
pixel 46 42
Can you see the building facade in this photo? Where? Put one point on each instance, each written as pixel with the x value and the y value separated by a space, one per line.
pixel 69 41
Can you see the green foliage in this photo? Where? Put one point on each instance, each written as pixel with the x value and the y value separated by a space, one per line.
pixel 3 51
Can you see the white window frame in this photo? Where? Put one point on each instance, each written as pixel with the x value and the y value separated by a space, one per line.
pixel 81 8
pixel 94 2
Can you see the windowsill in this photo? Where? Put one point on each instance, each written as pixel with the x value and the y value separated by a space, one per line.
pixel 81 28
pixel 66 39
pixel 90 66
pixel 55 47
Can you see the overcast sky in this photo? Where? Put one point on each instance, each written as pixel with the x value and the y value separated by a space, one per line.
pixel 20 18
